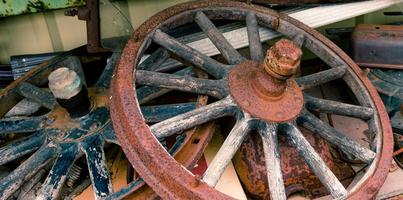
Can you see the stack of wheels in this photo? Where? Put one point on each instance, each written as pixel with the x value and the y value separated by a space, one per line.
pixel 278 143
pixel 57 138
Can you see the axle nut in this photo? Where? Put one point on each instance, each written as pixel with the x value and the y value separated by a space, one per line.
pixel 282 59
pixel 64 83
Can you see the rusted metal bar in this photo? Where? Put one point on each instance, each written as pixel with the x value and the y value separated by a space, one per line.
pixel 204 62
pixel 269 135
pixel 315 162
pixel 255 46
pixel 228 149
pixel 214 88
pixel 333 136
pixel 372 46
pixel 227 50
pixel 297 2
pixel 320 78
pixel 334 107
pixel 193 118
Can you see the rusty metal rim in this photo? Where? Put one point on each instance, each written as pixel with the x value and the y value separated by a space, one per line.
pixel 126 117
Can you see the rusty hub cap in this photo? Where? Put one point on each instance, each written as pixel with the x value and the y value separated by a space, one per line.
pixel 268 90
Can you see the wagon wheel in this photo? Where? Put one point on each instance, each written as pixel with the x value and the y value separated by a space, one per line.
pixel 76 124
pixel 261 93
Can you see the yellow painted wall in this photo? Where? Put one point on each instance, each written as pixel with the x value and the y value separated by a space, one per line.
pixel 52 31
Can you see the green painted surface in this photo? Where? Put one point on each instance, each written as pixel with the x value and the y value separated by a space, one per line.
pixel 18 7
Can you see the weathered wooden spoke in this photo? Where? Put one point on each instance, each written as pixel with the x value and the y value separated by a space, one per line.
pixel 58 174
pixel 227 50
pixel 21 147
pixel 74 63
pixel 255 46
pixel 320 78
pixel 108 134
pixel 148 93
pixel 299 40
pixel 268 133
pixel 227 151
pixel 334 107
pixel 315 162
pixel 333 136
pixel 10 183
pixel 193 118
pixel 105 79
pixel 96 161
pixel 155 60
pixel 159 113
pixel 37 95
pixel 191 55
pixel 215 88
pixel 20 124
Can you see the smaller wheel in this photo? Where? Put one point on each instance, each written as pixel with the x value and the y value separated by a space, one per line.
pixel 71 134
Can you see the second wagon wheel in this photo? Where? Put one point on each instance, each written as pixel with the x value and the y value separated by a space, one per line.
pixel 64 131
pixel 261 92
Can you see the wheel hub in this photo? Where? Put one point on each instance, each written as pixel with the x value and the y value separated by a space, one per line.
pixel 62 128
pixel 267 90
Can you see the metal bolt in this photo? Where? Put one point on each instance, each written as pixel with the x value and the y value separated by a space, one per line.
pixel 64 83
pixel 71 12
pixel 283 59
pixel 94 126
pixel 50 121
pixel 196 181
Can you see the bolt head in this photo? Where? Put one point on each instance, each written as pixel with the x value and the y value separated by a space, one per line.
pixel 283 58
pixel 64 83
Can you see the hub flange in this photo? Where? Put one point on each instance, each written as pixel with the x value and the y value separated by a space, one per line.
pixel 267 90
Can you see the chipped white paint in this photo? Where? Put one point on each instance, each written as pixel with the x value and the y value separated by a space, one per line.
pixel 193 118
pixel 272 159
pixel 315 162
pixel 227 151
pixel 331 135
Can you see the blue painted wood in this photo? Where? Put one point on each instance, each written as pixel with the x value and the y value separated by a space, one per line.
pixel 20 124
pixel 37 95
pixel 162 112
pixel 21 147
pixel 99 173
pixel 59 171
pixel 12 182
